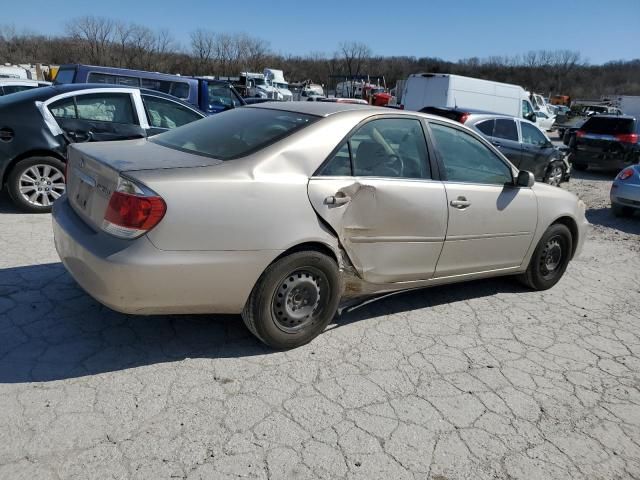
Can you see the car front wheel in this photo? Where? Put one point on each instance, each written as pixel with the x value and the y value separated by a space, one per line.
pixel 35 183
pixel 550 258
pixel 555 174
pixel 294 300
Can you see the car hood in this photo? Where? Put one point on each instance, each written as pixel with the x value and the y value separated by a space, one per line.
pixel 141 154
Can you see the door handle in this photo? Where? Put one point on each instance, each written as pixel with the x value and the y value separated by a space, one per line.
pixel 338 199
pixel 460 203
pixel 497 144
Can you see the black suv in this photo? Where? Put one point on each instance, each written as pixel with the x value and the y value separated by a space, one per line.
pixel 606 141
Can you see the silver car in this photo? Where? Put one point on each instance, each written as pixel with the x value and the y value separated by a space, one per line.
pixel 281 212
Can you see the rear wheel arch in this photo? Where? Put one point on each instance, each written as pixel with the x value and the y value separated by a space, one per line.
pixel 23 156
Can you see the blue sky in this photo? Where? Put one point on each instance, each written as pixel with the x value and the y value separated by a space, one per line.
pixel 450 29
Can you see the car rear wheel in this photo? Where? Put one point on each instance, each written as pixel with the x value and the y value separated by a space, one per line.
pixel 294 300
pixel 35 183
pixel 550 258
pixel 555 174
pixel 621 210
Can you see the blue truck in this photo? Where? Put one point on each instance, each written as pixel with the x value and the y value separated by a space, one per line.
pixel 209 95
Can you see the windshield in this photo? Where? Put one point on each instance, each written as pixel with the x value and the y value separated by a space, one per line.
pixel 259 81
pixel 235 133
pixel 281 85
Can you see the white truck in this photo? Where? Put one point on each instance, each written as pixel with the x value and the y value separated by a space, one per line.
pixel 275 78
pixel 453 91
pixel 257 86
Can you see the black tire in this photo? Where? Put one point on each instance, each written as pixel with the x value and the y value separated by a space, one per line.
pixel 620 210
pixel 546 267
pixel 271 314
pixel 15 182
pixel 555 174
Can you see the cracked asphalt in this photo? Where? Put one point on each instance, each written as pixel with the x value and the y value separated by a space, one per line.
pixel 483 380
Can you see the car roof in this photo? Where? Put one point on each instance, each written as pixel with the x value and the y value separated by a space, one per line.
pixel 613 115
pixel 320 109
pixel 44 93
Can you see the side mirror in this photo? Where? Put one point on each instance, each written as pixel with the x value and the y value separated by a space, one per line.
pixel 525 179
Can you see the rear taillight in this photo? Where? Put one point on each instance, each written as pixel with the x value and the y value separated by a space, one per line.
pixel 580 133
pixel 625 174
pixel 132 211
pixel 401 107
pixel 627 137
pixel 463 118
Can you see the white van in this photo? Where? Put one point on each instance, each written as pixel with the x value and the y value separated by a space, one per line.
pixel 275 78
pixel 445 90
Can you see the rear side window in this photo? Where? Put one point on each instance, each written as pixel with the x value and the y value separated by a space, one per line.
pixel 486 127
pixel 177 89
pixel 101 107
pixel 113 79
pixel 608 125
pixel 506 129
pixel 235 133
pixel 392 148
pixel 16 88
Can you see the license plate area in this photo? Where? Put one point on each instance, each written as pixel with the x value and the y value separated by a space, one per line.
pixel 84 192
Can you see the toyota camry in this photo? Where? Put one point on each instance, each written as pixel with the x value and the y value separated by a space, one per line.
pixel 285 212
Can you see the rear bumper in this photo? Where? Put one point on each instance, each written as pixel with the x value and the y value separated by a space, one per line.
pixel 627 195
pixel 133 276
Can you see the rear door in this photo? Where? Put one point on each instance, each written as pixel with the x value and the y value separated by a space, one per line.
pixel 536 150
pixel 504 136
pixel 97 116
pixel 377 193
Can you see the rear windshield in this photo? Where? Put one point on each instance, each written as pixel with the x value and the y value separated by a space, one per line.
pixel 607 125
pixel 235 133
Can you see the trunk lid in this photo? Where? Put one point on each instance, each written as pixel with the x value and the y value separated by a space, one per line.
pixel 94 169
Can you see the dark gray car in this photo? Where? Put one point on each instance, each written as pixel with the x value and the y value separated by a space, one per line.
pixel 524 144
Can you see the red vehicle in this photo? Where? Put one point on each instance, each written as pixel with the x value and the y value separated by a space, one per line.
pixel 380 99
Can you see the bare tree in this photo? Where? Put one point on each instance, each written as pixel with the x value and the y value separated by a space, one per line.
pixel 95 34
pixel 203 47
pixel 354 55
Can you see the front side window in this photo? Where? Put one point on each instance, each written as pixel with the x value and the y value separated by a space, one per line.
pixel 506 129
pixel 164 113
pixel 468 160
pixel 531 135
pixel 391 147
pixel 105 107
pixel 526 108
pixel 235 133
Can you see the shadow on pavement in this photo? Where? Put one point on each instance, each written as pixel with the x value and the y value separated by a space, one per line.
pixel 51 330
pixel 605 218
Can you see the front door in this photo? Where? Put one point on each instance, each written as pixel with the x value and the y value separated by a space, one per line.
pixel 491 221
pixel 98 117
pixel 377 194
pixel 504 136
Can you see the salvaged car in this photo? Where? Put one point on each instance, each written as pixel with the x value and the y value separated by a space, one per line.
pixel 607 142
pixel 285 211
pixel 625 192
pixel 37 125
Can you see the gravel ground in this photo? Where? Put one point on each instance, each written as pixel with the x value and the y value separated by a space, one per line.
pixel 484 380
